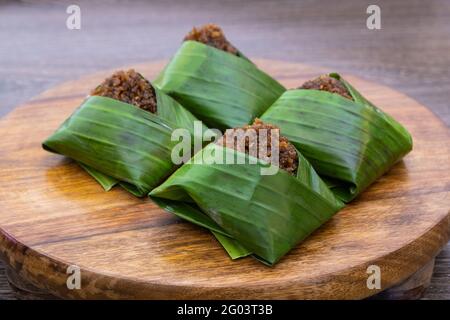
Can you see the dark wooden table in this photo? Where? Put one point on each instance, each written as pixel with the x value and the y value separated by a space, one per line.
pixel 409 53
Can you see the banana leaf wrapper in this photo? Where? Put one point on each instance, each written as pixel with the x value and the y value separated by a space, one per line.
pixel 118 143
pixel 265 215
pixel 105 181
pixel 221 89
pixel 349 143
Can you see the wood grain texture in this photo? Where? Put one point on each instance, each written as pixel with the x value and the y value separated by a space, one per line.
pixel 412 288
pixel 407 54
pixel 54 215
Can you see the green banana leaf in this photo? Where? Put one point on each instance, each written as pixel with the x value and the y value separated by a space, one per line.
pixel 116 142
pixel 234 249
pixel 221 89
pixel 359 98
pixel 171 112
pixel 266 214
pixel 349 143
pixel 105 181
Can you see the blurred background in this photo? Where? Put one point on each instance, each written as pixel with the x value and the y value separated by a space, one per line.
pixel 410 53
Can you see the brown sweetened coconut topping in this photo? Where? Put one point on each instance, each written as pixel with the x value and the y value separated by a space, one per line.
pixel 130 87
pixel 288 157
pixel 327 83
pixel 211 35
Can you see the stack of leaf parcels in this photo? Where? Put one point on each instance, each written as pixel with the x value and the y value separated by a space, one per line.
pixel 298 155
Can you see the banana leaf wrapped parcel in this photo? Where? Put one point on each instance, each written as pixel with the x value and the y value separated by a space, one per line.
pixel 213 80
pixel 122 133
pixel 349 141
pixel 212 35
pixel 263 214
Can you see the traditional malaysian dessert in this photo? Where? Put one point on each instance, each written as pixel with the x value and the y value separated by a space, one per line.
pixel 129 87
pixel 327 83
pixel 288 157
pixel 223 90
pixel 211 35
pixel 265 213
pixel 350 142
pixel 121 134
pixel 132 88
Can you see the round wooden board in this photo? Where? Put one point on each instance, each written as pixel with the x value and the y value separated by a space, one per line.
pixel 54 215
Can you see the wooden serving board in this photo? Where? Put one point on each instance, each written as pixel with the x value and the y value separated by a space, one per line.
pixel 53 215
